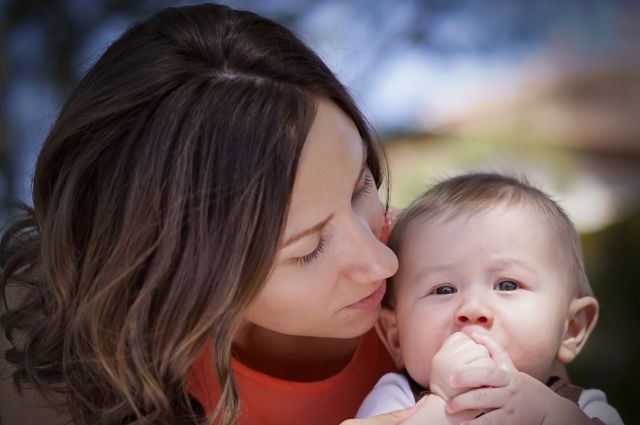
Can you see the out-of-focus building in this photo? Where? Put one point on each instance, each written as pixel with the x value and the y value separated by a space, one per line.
pixel 575 131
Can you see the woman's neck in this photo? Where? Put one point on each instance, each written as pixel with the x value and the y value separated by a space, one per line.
pixel 290 357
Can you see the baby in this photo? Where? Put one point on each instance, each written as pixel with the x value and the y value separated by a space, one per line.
pixel 487 261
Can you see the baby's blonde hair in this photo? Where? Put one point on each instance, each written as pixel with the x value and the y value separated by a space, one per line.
pixel 474 192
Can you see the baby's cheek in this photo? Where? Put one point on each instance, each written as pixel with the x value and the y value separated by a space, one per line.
pixel 419 364
pixel 421 333
pixel 535 358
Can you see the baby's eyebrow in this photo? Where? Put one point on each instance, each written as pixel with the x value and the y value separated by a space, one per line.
pixel 303 233
pixel 432 269
pixel 514 261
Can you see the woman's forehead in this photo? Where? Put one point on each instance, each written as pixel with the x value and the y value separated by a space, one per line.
pixel 332 158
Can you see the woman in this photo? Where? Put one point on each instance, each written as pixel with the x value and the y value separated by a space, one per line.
pixel 205 239
pixel 205 212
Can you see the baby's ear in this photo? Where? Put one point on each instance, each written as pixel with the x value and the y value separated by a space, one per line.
pixel 582 318
pixel 387 328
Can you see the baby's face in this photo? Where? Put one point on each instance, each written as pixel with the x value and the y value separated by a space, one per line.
pixel 500 271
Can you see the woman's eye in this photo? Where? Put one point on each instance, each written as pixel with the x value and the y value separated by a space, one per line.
pixel 506 285
pixel 365 187
pixel 445 290
pixel 306 259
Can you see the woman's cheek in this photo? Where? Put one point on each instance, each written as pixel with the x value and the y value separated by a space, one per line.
pixel 386 230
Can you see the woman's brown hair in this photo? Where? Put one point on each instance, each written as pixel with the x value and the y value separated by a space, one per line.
pixel 158 200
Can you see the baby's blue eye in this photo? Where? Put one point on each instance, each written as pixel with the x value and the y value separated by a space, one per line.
pixel 506 285
pixel 445 290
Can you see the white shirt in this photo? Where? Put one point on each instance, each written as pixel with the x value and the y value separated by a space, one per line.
pixel 393 392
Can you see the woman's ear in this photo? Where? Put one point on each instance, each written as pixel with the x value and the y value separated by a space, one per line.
pixel 387 328
pixel 581 319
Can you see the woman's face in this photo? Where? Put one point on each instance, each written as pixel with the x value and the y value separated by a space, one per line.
pixel 330 270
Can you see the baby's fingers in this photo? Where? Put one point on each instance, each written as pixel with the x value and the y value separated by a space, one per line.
pixel 495 417
pixel 480 377
pixel 496 351
pixel 457 339
pixel 480 399
pixel 461 345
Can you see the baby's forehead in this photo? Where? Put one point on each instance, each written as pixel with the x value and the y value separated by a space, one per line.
pixel 491 231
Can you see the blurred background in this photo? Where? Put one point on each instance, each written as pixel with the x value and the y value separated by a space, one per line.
pixel 547 89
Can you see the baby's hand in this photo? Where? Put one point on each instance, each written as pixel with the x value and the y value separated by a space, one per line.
pixel 458 353
pixel 509 396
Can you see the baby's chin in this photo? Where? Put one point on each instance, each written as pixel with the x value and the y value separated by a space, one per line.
pixel 424 383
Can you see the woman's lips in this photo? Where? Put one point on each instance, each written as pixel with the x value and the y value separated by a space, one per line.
pixel 371 301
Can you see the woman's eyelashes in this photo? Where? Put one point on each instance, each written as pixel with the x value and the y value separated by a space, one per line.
pixel 306 259
pixel 367 184
pixel 365 187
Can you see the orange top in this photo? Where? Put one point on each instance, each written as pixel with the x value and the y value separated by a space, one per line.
pixel 266 400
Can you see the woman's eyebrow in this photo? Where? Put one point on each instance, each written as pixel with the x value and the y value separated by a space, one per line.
pixel 306 232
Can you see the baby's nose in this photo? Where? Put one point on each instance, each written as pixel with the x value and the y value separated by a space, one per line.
pixel 474 313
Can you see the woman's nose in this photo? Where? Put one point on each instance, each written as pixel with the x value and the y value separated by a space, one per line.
pixel 474 312
pixel 366 258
